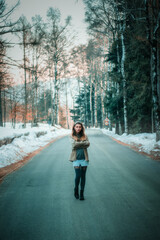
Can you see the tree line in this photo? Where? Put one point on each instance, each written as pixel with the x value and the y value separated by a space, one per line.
pixel 117 71
pixel 43 64
pixel 122 58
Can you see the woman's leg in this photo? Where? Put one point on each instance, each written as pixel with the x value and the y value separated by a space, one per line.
pixel 77 180
pixel 83 180
pixel 83 177
pixel 77 176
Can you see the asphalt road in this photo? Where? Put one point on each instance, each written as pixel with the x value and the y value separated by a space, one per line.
pixel 122 195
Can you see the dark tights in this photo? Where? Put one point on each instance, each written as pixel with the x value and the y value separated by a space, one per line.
pixel 80 174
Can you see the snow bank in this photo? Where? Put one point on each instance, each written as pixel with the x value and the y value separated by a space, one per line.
pixel 21 146
pixel 24 144
pixel 145 142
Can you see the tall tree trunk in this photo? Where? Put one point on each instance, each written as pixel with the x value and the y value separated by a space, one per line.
pixel 95 106
pixel 79 90
pixel 15 115
pixel 57 108
pixel 85 102
pixel 45 104
pixel 4 109
pixel 118 123
pixel 32 96
pixel 102 84
pixel 32 90
pixel 91 102
pixel 56 91
pixel 36 90
pixel 14 110
pixel 158 70
pixel 124 79
pixel 11 105
pixel 155 92
pixel 1 118
pixel 67 121
pixel 109 68
pixel 51 95
pixel 153 27
pixel 102 104
pixel 25 76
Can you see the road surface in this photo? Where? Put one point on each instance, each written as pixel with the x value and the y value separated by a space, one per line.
pixel 122 195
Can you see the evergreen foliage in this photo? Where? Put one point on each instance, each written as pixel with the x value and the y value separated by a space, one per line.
pixel 129 86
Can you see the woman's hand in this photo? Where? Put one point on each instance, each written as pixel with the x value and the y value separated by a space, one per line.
pixel 80 144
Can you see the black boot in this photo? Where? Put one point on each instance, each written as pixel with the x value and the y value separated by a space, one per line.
pixel 76 194
pixel 81 195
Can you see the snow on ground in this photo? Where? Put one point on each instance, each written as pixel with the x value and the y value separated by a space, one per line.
pixel 21 146
pixel 146 142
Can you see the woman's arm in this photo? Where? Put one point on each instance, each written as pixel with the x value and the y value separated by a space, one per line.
pixel 81 144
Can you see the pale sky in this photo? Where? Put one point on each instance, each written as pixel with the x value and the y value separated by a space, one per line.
pixel 30 8
pixel 75 8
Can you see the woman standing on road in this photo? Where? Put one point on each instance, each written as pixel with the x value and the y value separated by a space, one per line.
pixel 79 157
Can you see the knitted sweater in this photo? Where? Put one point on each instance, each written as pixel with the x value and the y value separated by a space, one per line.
pixel 79 145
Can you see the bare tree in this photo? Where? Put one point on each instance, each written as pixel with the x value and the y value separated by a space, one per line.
pixel 36 45
pixel 6 27
pixel 24 28
pixel 56 37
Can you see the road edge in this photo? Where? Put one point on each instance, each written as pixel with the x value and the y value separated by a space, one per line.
pixel 136 149
pixel 4 171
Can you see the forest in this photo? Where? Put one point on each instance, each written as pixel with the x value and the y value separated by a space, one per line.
pixel 117 72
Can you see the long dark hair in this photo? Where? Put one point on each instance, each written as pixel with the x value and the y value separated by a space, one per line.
pixel 81 134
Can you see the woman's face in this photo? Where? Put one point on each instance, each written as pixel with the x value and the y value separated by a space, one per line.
pixel 78 128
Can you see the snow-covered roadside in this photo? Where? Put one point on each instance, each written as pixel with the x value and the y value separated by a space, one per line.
pixel 23 145
pixel 29 142
pixel 145 142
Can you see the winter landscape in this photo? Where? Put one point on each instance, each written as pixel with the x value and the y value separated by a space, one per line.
pixel 79 96
pixel 25 141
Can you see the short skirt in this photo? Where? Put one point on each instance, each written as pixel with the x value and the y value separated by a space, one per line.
pixel 81 162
